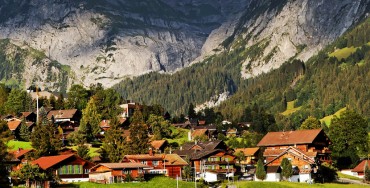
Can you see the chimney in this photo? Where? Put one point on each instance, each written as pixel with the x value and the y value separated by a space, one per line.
pixel 150 151
pixel 189 136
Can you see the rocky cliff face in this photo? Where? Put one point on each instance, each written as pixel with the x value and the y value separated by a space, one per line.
pixel 108 40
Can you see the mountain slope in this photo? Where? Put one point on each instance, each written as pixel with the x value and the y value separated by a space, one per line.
pixel 268 34
pixel 25 66
pixel 108 40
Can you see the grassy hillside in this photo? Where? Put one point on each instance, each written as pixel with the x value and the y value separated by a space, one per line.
pixel 327 119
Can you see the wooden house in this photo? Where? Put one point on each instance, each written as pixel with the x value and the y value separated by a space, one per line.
pixel 69 168
pixel 116 172
pixel 159 145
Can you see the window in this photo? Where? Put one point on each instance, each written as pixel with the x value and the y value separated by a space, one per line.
pixel 155 163
pixel 144 162
pixel 126 171
pixel 70 169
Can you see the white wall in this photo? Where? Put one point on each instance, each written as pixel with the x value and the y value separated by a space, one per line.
pixel 270 177
pixel 70 180
pixel 209 177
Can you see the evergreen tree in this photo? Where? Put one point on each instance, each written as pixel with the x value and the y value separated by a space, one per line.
pixel 160 127
pixel 24 131
pixel 348 135
pixel 78 97
pixel 30 173
pixel 260 170
pixel 18 101
pixel 59 105
pixel 367 172
pixel 46 139
pixel 287 170
pixel 83 152
pixel 139 138
pixel 240 156
pixel 191 112
pixel 114 142
pixel 52 101
pixel 311 123
pixel 5 133
pixel 90 121
pixel 4 172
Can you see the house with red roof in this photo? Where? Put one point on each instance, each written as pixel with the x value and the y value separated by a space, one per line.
pixel 159 145
pixel 304 148
pixel 167 164
pixel 251 155
pixel 19 158
pixel 72 115
pixel 116 172
pixel 69 168
pixel 359 170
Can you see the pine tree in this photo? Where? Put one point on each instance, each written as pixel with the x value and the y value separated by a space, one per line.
pixel 83 152
pixel 191 111
pixel 139 138
pixel 287 170
pixel 30 173
pixel 60 102
pixel 24 131
pixel 114 142
pixel 46 139
pixel 90 121
pixel 4 156
pixel 260 170
pixel 160 127
pixel 5 133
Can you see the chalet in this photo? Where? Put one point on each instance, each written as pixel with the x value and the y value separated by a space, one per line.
pixel 129 109
pixel 251 155
pixel 159 145
pixel 116 172
pixel 304 148
pixel 67 127
pixel 14 126
pixel 209 156
pixel 72 115
pixel 28 116
pixel 167 164
pixel 19 158
pixel 359 170
pixel 212 130
pixel 69 168
pixel 273 173
pixel 200 133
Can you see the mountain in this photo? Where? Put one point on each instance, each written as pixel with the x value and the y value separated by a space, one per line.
pixel 266 35
pixel 108 40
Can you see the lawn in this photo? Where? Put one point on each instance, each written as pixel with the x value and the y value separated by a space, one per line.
pixel 179 135
pixel 290 184
pixel 327 119
pixel 93 151
pixel 290 109
pixel 341 175
pixel 159 182
pixel 343 53
pixel 14 145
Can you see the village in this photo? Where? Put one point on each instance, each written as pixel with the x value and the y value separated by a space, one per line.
pixel 203 154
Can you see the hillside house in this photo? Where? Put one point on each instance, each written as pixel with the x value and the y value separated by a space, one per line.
pixel 166 164
pixel 359 170
pixel 159 145
pixel 128 109
pixel 304 148
pixel 69 168
pixel 72 115
pixel 19 158
pixel 116 172
pixel 209 156
pixel 28 116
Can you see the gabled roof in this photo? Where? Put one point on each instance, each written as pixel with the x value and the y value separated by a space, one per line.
pixel 289 138
pixel 62 114
pixel 273 169
pixel 296 152
pixel 48 162
pixel 174 160
pixel 13 125
pixel 247 151
pixel 361 167
pixel 157 144
pixel 194 154
pixel 26 114
pixel 199 132
pixel 154 157
pixel 121 165
pixel 104 123
pixel 206 145
pixel 20 152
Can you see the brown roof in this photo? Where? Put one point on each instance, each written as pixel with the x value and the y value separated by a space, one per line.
pixel 13 125
pixel 361 167
pixel 296 152
pixel 289 138
pixel 208 145
pixel 247 151
pixel 273 169
pixel 145 157
pixel 29 123
pixel 174 160
pixel 47 162
pixel 122 165
pixel 26 114
pixel 199 132
pixel 20 152
pixel 157 144
pixel 62 114
pixel 104 123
